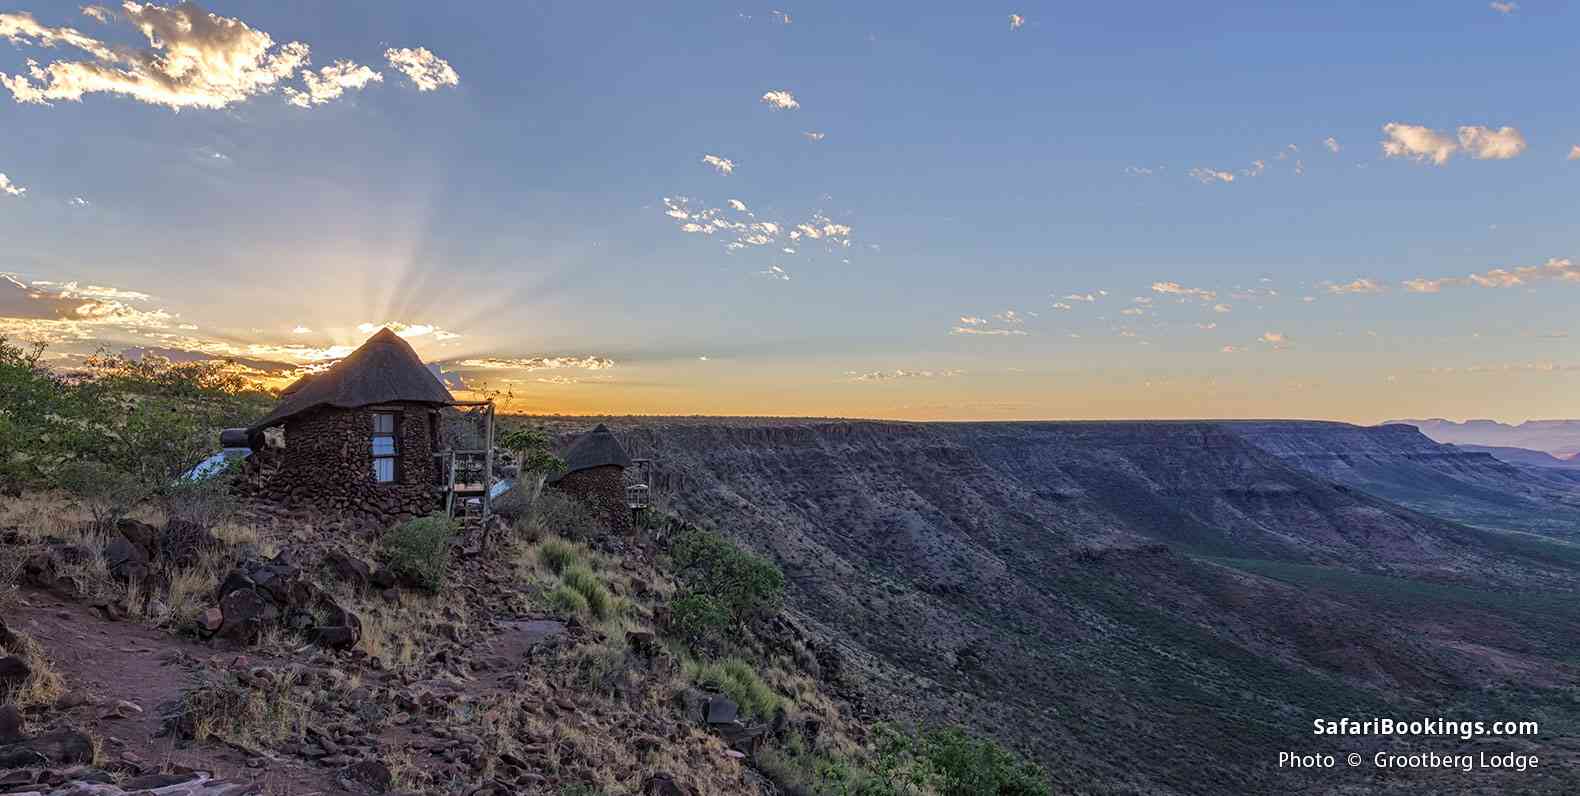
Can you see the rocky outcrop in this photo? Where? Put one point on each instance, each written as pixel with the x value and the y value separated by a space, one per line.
pixel 261 593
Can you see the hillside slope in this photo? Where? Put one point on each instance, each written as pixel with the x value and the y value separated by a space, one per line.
pixel 1010 576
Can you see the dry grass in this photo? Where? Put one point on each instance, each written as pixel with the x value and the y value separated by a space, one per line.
pixel 251 716
pixel 44 685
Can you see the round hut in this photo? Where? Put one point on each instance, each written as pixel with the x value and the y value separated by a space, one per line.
pixel 595 472
pixel 359 437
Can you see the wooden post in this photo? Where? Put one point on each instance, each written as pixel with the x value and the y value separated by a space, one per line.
pixel 488 463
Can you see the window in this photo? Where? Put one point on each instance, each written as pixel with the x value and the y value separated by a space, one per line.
pixel 386 454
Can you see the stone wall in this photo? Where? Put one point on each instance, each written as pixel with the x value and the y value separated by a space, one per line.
pixel 603 490
pixel 327 466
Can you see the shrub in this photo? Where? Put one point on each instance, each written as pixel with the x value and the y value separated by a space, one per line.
pixel 699 620
pixel 745 585
pixel 555 512
pixel 739 681
pixel 951 762
pixel 419 550
pixel 558 554
pixel 206 502
pixel 582 580
pixel 256 715
pixel 566 601
pixel 108 493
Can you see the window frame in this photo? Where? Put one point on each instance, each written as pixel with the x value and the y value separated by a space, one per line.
pixel 394 437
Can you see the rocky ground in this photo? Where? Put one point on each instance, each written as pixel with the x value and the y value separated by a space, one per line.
pixel 280 658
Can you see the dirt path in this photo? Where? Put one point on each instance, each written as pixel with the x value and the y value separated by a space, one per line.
pixel 111 663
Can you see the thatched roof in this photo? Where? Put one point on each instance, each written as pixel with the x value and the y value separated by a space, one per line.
pixel 596 448
pixel 383 370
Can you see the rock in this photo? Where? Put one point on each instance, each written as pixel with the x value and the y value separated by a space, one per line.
pixel 7 638
pixel 371 773
pixel 126 560
pixel 183 542
pixel 347 568
pixel 246 613
pixel 57 748
pixel 10 724
pixel 155 781
pixel 643 642
pixel 661 784
pixel 722 710
pixel 337 637
pixel 211 620
pixel 14 778
pixel 141 534
pixel 13 672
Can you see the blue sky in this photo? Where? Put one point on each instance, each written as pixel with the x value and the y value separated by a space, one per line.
pixel 521 221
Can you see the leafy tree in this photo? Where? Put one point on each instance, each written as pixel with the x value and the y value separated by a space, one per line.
pixel 743 584
pixel 535 452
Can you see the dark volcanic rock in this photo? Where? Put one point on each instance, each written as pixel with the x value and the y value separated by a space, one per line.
pixel 57 748
pixel 246 613
pixel 10 724
pixel 13 672
pixel 127 561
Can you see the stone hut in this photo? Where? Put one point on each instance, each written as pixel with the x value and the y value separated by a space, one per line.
pixel 359 438
pixel 595 472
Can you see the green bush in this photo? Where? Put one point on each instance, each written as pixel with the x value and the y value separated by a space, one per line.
pixel 699 620
pixel 738 681
pixel 582 580
pixel 743 584
pixel 109 494
pixel 558 554
pixel 951 762
pixel 418 551
pixel 567 601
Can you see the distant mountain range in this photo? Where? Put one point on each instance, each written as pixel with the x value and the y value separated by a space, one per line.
pixel 1524 457
pixel 1561 438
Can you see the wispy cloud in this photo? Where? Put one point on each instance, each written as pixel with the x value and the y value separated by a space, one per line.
pixel 330 83
pixel 1504 7
pixel 1554 270
pixel 1357 286
pixel 1275 339
pixel 409 330
pixel 723 166
pixel 1423 144
pixel 1574 152
pixel 775 272
pixel 813 135
pixel 1331 143
pixel 426 71
pixel 988 332
pixel 783 100
pixel 537 363
pixel 1210 176
pixel 1015 21
pixel 1176 289
pixel 10 188
pixel 879 376
pixel 745 230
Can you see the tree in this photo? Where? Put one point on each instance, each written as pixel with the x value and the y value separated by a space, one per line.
pixel 534 451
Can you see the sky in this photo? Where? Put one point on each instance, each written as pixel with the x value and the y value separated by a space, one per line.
pixel 1355 211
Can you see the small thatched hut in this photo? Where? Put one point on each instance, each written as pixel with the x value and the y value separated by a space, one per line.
pixel 359 437
pixel 595 472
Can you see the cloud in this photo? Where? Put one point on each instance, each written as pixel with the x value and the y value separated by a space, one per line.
pixel 1423 144
pixel 783 100
pixel 972 320
pixel 77 201
pixel 723 166
pixel 878 376
pixel 988 332
pixel 775 272
pixel 195 59
pixel 738 206
pixel 9 188
pixel 1554 270
pixel 1417 143
pixel 1231 349
pixel 408 330
pixel 1257 167
pixel 1357 286
pixel 1086 297
pixel 1503 7
pixel 696 219
pixel 1210 176
pixel 1574 152
pixel 1015 21
pixel 1222 308
pixel 1484 143
pixel 1138 171
pixel 812 135
pixel 1275 339
pixel 330 83
pixel 538 363
pixel 55 311
pixel 300 329
pixel 1331 143
pixel 1010 317
pixel 1176 289
pixel 426 71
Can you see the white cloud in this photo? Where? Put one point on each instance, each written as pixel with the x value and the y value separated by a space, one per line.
pixel 10 188
pixel 1231 349
pixel 1275 339
pixel 1574 152
pixel 1086 297
pixel 1015 21
pixel 1210 176
pixel 77 201
pixel 1357 286
pixel 408 330
pixel 972 320
pixel 783 100
pixel 775 272
pixel 1138 171
pixel 195 59
pixel 1417 143
pixel 1176 289
pixel 1484 143
pixel 1331 143
pixel 1222 308
pixel 989 332
pixel 1504 7
pixel 738 206
pixel 1257 167
pixel 300 329
pixel 892 375
pixel 538 363
pixel 1554 270
pixel 330 83
pixel 428 72
pixel 812 135
pixel 723 166
pixel 1010 317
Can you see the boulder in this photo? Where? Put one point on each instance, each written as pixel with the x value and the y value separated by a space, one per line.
pixel 7 638
pixel 141 534
pixel 184 543
pixel 211 620
pixel 722 710
pixel 371 774
pixel 337 636
pixel 64 747
pixel 126 560
pixel 661 784
pixel 10 724
pixel 246 613
pixel 350 569
pixel 13 672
